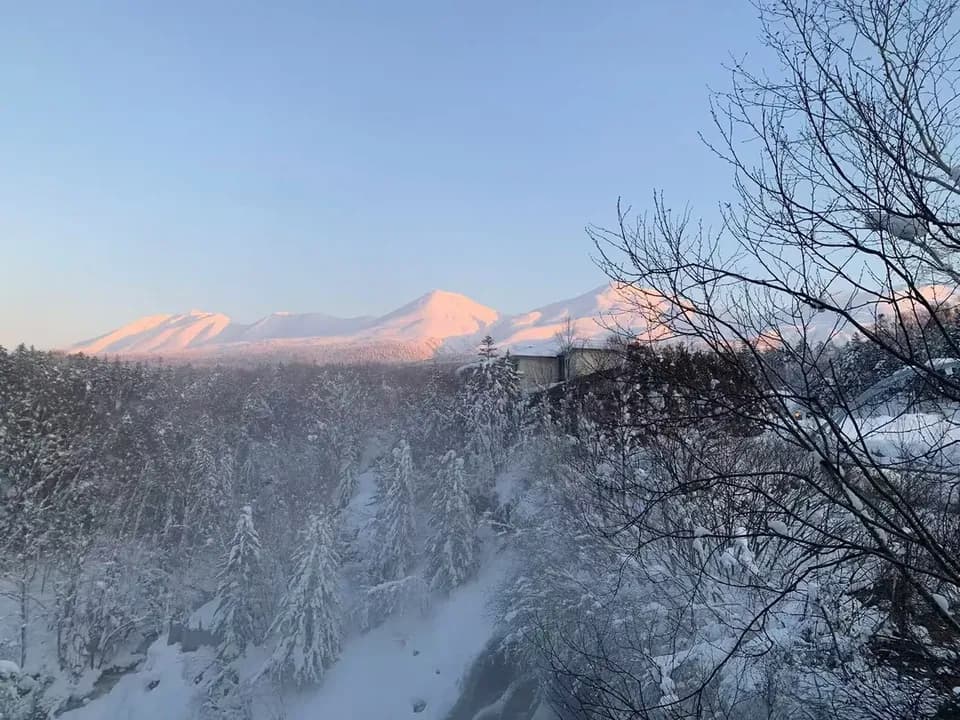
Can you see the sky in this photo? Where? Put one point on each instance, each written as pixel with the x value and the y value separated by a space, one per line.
pixel 250 157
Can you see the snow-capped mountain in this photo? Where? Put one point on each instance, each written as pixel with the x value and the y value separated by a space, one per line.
pixel 284 325
pixel 449 323
pixel 592 317
pixel 438 315
pixel 439 321
pixel 159 334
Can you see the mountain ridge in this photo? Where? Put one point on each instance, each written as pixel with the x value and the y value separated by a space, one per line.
pixel 439 320
pixel 444 323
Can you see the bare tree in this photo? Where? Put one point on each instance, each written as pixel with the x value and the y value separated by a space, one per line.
pixel 846 223
pixel 566 338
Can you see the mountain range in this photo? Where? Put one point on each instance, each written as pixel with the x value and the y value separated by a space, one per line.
pixel 443 323
pixel 439 322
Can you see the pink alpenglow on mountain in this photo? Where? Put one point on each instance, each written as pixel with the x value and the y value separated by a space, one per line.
pixel 448 323
pixel 438 322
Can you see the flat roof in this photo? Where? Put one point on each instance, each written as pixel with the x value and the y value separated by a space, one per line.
pixel 535 352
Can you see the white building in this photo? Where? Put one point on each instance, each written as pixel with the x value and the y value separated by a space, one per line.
pixel 543 368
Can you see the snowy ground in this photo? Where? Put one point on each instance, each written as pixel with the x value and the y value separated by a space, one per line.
pixel 162 689
pixel 385 672
pixel 382 674
pixel 907 435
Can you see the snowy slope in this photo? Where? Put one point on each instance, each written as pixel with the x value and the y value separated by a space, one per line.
pixel 162 689
pixel 158 333
pixel 385 672
pixel 381 674
pixel 430 319
pixel 593 317
pixel 284 325
pixel 439 319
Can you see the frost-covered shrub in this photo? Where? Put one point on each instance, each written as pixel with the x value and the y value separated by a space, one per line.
pixel 112 596
pixel 20 694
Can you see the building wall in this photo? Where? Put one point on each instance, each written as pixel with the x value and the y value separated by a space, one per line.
pixel 583 361
pixel 537 371
pixel 540 371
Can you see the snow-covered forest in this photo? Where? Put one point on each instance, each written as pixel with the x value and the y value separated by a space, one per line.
pixel 300 505
pixel 658 549
pixel 756 517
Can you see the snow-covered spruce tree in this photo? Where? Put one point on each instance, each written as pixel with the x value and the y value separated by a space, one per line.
pixel 395 525
pixel 308 626
pixel 239 615
pixel 490 409
pixel 395 583
pixel 337 402
pixel 452 552
pixel 431 415
pixel 488 349
pixel 346 484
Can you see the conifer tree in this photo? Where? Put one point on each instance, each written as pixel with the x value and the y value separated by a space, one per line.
pixel 346 485
pixel 488 348
pixel 238 618
pixel 395 522
pixel 308 626
pixel 490 406
pixel 452 552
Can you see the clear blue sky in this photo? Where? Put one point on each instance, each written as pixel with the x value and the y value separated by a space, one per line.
pixel 246 157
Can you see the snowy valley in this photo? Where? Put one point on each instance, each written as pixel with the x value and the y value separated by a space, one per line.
pixel 725 485
pixel 346 566
pixel 414 541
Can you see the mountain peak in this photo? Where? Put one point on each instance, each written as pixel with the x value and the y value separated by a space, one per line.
pixel 439 295
pixel 440 314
